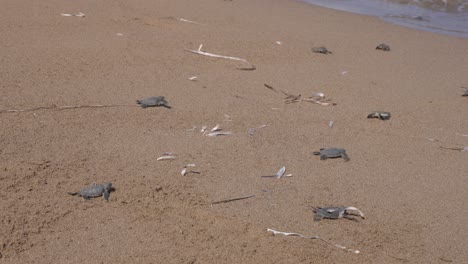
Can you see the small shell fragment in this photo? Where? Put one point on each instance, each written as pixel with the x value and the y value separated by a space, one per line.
pixel 216 128
pixel 331 123
pixel 281 172
pixel 252 131
pixel 166 158
pixel 184 170
pixel 320 95
pixel 76 15
pixel 193 78
pixel 279 43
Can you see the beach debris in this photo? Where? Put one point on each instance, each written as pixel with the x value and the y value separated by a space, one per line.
pixel 193 78
pixel 200 52
pixel 95 190
pixel 278 175
pixel 344 72
pixel 219 133
pixel 383 47
pixel 316 98
pixel 186 171
pixel 335 213
pixel 167 156
pixel 380 115
pixel 326 153
pixel 252 131
pixel 275 232
pixel 75 15
pixel 119 34
pixel 191 129
pixel 331 123
pixel 459 149
pixel 466 91
pixel 233 199
pixel 215 131
pixel 463 135
pixel 322 50
pixel 227 118
pixel 183 20
pixel 215 128
pixel 153 102
pixel 279 43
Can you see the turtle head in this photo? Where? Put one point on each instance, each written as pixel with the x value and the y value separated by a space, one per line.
pixel 108 186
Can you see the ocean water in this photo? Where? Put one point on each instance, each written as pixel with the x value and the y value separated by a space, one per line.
pixel 441 16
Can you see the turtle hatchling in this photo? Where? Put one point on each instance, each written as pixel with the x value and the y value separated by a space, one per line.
pixel 383 47
pixel 380 115
pixel 95 190
pixel 335 213
pixel 322 50
pixel 466 92
pixel 326 153
pixel 153 101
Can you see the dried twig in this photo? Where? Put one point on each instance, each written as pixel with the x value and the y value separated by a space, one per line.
pixel 313 237
pixel 459 149
pixel 55 107
pixel 233 199
pixel 292 98
pixel 200 52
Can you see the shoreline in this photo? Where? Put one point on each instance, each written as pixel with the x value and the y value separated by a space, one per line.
pixel 428 20
pixel 398 175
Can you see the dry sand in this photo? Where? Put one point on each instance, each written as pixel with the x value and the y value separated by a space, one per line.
pixel 413 192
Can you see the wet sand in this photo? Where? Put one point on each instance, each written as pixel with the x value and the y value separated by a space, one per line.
pixel 412 192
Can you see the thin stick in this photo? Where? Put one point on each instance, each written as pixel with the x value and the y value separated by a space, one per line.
pixel 200 52
pixel 459 149
pixel 275 232
pixel 66 107
pixel 233 199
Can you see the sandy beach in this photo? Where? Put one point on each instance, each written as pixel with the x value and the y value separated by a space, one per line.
pixel 77 78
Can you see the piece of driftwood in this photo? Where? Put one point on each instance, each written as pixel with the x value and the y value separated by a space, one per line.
pixel 204 53
pixel 275 232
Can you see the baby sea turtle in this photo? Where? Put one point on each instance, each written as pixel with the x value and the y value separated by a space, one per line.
pixel 153 101
pixel 380 115
pixel 383 47
pixel 335 213
pixel 95 190
pixel 331 153
pixel 322 50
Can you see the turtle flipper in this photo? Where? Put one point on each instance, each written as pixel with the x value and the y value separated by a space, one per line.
pixel 323 157
pixel 345 156
pixel 106 195
pixel 350 217
pixel 73 193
